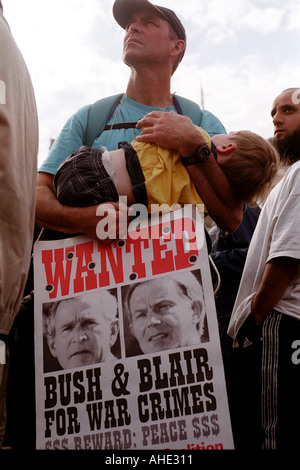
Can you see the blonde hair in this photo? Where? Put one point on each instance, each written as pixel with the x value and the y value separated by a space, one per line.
pixel 252 167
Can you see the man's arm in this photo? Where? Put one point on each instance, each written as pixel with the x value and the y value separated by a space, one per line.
pixel 50 213
pixel 279 272
pixel 178 132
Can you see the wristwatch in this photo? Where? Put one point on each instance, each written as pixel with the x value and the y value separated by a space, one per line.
pixel 200 156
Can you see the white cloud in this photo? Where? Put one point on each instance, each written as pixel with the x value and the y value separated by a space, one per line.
pixel 293 16
pixel 263 20
pixel 240 93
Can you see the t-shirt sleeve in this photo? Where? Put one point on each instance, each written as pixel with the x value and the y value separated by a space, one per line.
pixel 285 237
pixel 69 140
pixel 211 124
pixel 285 233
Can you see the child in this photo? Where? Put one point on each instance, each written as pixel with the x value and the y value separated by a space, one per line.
pixel 149 174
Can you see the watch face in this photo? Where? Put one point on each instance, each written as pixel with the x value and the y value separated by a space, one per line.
pixel 203 153
pixel 200 156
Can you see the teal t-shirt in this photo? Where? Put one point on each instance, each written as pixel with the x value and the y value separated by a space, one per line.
pixel 128 110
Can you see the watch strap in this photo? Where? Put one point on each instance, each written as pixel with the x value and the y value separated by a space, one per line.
pixel 200 156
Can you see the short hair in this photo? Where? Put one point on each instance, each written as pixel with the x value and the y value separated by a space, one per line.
pixel 104 298
pixel 252 167
pixel 186 282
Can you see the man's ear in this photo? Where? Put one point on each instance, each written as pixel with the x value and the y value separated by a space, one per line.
pixel 179 47
pixel 114 330
pixel 197 307
pixel 51 345
pixel 225 149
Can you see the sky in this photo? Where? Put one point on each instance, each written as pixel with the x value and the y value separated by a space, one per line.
pixel 240 55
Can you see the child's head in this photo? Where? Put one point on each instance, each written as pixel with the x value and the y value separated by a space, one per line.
pixel 250 166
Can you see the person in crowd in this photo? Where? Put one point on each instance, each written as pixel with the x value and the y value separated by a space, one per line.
pixel 154 45
pixel 82 330
pixel 229 252
pixel 91 176
pixel 155 312
pixel 18 174
pixel 287 126
pixel 265 324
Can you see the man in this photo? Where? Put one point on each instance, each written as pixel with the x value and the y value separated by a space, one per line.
pixel 265 320
pixel 154 44
pixel 167 313
pixel 287 125
pixel 18 165
pixel 82 330
pixel 229 251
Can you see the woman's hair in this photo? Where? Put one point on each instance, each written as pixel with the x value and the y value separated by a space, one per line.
pixel 252 167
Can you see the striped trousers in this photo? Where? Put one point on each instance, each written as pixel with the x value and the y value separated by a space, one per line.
pixel 269 373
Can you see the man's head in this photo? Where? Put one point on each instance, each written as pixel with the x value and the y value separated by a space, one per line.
pixel 126 13
pixel 285 113
pixel 81 330
pixel 166 313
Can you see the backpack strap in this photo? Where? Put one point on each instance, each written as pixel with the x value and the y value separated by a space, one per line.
pixel 200 117
pixel 102 110
pixel 99 114
pixel 188 108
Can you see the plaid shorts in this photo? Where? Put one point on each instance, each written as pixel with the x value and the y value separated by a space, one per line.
pixel 82 180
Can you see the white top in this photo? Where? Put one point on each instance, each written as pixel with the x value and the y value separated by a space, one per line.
pixel 277 234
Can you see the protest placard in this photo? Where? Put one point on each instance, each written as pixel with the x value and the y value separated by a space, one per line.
pixel 127 346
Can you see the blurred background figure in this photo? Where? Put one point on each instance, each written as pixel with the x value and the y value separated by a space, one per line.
pixel 18 174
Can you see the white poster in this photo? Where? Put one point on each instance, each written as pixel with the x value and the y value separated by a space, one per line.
pixel 126 341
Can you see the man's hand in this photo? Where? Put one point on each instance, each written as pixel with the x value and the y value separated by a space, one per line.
pixel 114 220
pixel 88 220
pixel 170 130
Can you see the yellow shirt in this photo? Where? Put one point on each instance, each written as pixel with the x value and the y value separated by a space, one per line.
pixel 167 179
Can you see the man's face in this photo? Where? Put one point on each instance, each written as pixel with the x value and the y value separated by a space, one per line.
pixel 163 317
pixel 286 119
pixel 82 334
pixel 286 114
pixel 147 39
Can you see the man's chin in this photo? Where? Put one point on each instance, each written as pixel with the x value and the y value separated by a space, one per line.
pixel 81 359
pixel 288 146
pixel 161 344
pixel 279 137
